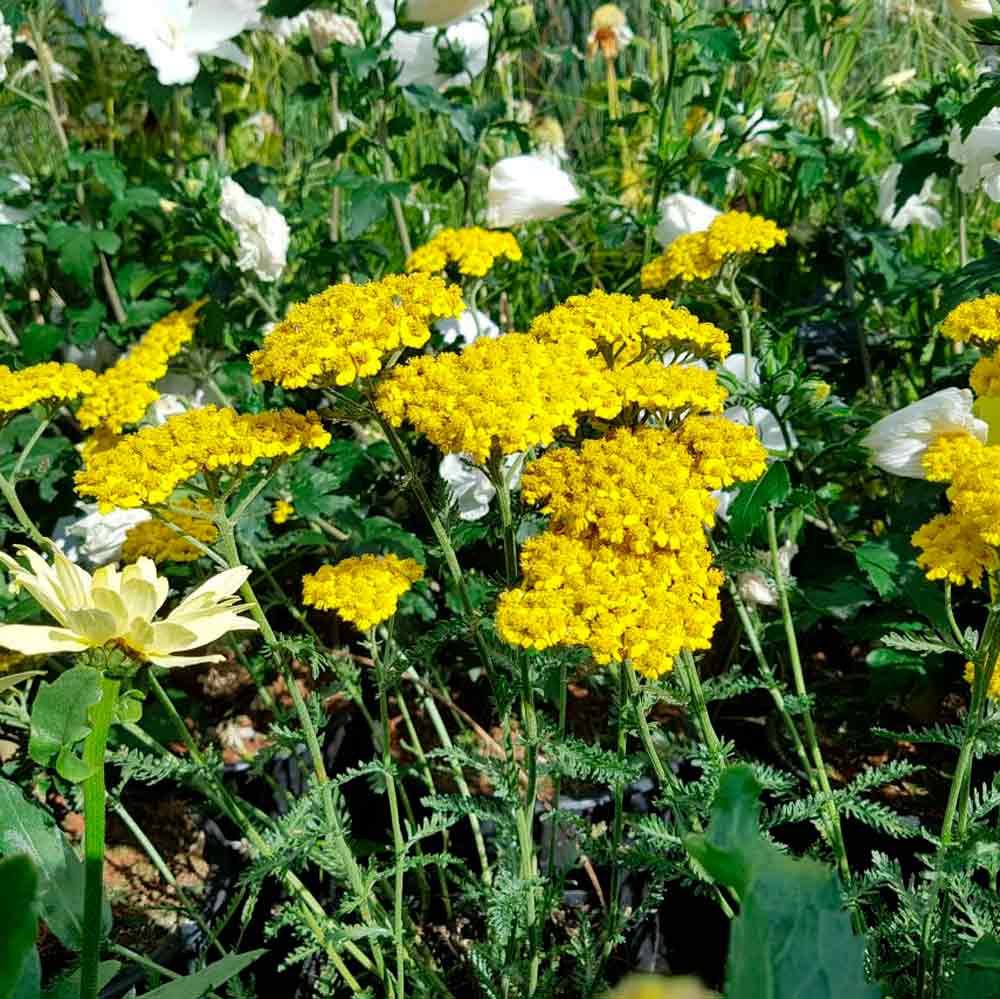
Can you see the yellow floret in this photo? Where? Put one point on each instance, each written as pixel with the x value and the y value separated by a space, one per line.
pixel 473 251
pixel 953 549
pixel 282 512
pixel 48 382
pixel 977 320
pixel 993 691
pixel 985 377
pixel 158 539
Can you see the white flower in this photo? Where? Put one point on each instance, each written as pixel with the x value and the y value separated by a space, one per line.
pixel 898 441
pixel 120 607
pixel 762 420
pixel 832 126
pixel 178 394
pixel 417 52
pixel 439 13
pixel 468 327
pixel 895 82
pixel 968 10
pixel 680 214
pixel 95 538
pixel 470 489
pixel 917 209
pixel 527 189
pixel 6 46
pixel 977 155
pixel 286 28
pixel 326 27
pixel 174 33
pixel 262 231
pixel 757 588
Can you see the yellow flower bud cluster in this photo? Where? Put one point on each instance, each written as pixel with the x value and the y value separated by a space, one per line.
pixel 977 321
pixel 473 251
pixel 282 512
pixel 364 590
pixel 160 541
pixel 623 328
pixel 144 468
pixel 698 256
pixel 42 383
pixel 124 392
pixel 349 331
pixel 624 567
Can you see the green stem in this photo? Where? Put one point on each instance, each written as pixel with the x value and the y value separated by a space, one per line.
pixel 94 795
pixel 498 480
pixel 557 780
pixel 689 673
pixel 526 839
pixel 618 823
pixel 10 495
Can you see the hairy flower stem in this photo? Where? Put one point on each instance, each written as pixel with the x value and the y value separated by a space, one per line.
pixel 746 327
pixel 689 673
pixel 618 822
pixel 835 834
pixel 526 820
pixel 94 799
pixel 557 780
pixel 382 678
pixel 227 538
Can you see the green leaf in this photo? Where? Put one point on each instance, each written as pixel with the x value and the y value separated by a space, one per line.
pixel 26 828
pixel 77 254
pixel 792 937
pixel 978 973
pixel 59 721
pixel 11 251
pixel 749 507
pixel 68 986
pixel 18 920
pixel 10 680
pixel 879 563
pixel 196 985
pixel 40 341
pixel 135 199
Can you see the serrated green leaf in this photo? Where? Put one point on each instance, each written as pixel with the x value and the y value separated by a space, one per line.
pixel 59 720
pixel 18 919
pixel 880 564
pixel 750 505
pixel 196 985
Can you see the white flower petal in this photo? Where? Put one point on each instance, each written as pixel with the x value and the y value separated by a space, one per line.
pixel 38 639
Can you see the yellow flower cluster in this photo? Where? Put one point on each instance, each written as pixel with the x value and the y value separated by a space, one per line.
pixel 623 328
pixel 144 468
pixel 472 250
pixel 669 391
pixel 643 608
pixel 364 590
pixel 725 452
pixel 124 392
pixel 984 378
pixel 42 382
pixel 978 320
pixel 624 567
pixel 348 331
pixel 282 512
pixel 697 256
pixel 158 540
pixel 514 393
pixel 953 550
pixel 993 692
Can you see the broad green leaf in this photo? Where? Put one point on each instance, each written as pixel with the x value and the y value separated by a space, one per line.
pixel 792 937
pixel 978 973
pixel 26 828
pixel 11 251
pixel 879 563
pixel 749 507
pixel 196 985
pixel 40 341
pixel 77 254
pixel 29 986
pixel 59 721
pixel 18 920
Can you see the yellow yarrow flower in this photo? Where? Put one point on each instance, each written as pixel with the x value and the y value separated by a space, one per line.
pixel 725 452
pixel 993 692
pixel 144 468
pixel 473 251
pixel 698 256
pixel 349 331
pixel 977 320
pixel 123 393
pixel 622 328
pixel 282 512
pixel 949 452
pixel 364 590
pixel 158 539
pixel 48 382
pixel 511 394
pixel 953 549
pixel 984 378
pixel 669 391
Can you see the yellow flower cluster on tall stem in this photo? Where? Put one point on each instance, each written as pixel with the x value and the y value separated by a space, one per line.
pixel 171 538
pixel 472 251
pixel 48 382
pixel 122 394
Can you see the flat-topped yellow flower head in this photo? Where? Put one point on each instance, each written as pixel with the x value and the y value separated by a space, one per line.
pixel 977 321
pixel 472 251
pixel 48 382
pixel 113 607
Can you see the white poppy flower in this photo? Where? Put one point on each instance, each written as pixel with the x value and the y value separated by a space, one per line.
pixel 95 538
pixel 174 33
pixel 467 328
pixel 440 13
pixel 831 124
pixel 6 46
pixel 918 209
pixel 120 607
pixel 977 155
pixel 285 29
pixel 262 231
pixel 762 420
pixel 757 587
pixel 527 189
pixel 898 441
pixel 418 52
pixel 469 488
pixel 680 214
pixel 969 10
